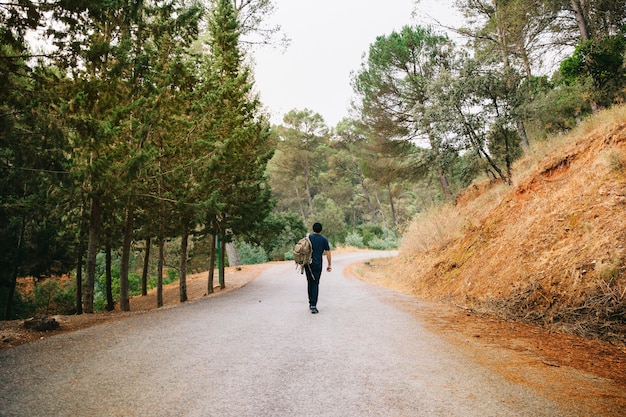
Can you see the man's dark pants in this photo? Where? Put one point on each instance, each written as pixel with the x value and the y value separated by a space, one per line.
pixel 313 275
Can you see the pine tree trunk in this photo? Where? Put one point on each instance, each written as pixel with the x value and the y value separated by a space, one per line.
pixel 521 130
pixel 92 252
pixel 393 208
pixel 109 278
pixel 366 194
pixel 160 271
pixel 578 7
pixel 125 261
pixel 182 280
pixel 309 196
pixel 8 311
pixel 79 277
pixel 211 278
pixel 146 267
pixel 302 213
pixel 221 276
pixel 445 187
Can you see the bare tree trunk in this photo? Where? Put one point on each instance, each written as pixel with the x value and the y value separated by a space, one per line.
pixel 233 255
pixel 182 280
pixel 380 209
pixel 525 61
pixel 445 186
pixel 146 267
pixel 578 7
pixel 521 130
pixel 393 208
pixel 92 252
pixel 211 277
pixel 309 197
pixel 302 213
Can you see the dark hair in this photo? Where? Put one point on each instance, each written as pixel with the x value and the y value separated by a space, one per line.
pixel 317 227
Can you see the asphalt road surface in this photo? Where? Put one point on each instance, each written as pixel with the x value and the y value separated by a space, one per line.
pixel 259 351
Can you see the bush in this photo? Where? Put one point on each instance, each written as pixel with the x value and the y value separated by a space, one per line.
pixel 250 254
pixel 355 240
pixel 601 60
pixel 369 231
pixel 383 244
pixel 171 275
pixel 51 297
pixel 554 108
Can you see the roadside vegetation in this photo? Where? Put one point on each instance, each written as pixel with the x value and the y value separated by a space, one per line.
pixel 548 250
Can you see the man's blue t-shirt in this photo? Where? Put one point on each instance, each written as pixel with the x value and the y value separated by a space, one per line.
pixel 320 244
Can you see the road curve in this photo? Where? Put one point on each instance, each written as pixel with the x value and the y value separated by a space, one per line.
pixel 259 352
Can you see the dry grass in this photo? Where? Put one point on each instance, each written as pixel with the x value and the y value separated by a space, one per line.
pixel 432 231
pixel 548 250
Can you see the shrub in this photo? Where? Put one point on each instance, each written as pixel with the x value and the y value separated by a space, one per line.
pixel 51 297
pixel 171 275
pixel 383 244
pixel 250 254
pixel 369 231
pixel 355 240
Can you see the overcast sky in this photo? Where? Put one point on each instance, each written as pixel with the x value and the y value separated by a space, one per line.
pixel 328 39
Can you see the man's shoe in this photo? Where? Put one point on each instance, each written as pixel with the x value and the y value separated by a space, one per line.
pixel 314 310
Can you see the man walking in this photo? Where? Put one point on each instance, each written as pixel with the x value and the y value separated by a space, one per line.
pixel 320 245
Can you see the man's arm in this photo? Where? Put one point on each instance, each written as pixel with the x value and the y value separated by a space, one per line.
pixel 329 267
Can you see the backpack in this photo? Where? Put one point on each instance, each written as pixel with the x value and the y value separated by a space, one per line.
pixel 302 253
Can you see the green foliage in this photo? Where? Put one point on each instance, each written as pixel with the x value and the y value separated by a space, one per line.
pixel 603 61
pixel 503 143
pixel 394 85
pixel 381 238
pixel 354 240
pixel 555 107
pixel 384 244
pixel 171 275
pixel 51 297
pixel 466 168
pixel 276 234
pixel 332 218
pixel 297 169
pixel 369 231
pixel 251 254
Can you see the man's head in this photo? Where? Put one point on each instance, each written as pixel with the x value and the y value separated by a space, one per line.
pixel 317 227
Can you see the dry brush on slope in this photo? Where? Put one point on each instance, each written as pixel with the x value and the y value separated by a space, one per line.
pixel 549 250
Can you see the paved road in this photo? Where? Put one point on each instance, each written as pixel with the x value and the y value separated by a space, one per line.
pixel 259 352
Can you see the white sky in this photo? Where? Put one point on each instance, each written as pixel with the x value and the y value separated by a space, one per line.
pixel 328 40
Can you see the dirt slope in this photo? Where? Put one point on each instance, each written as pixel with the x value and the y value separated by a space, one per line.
pixel 548 250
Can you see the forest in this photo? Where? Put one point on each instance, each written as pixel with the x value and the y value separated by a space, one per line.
pixel 133 147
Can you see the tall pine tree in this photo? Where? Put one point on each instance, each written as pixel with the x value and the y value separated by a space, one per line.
pixel 233 134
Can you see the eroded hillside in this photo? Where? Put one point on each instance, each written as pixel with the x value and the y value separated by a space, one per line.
pixel 549 249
